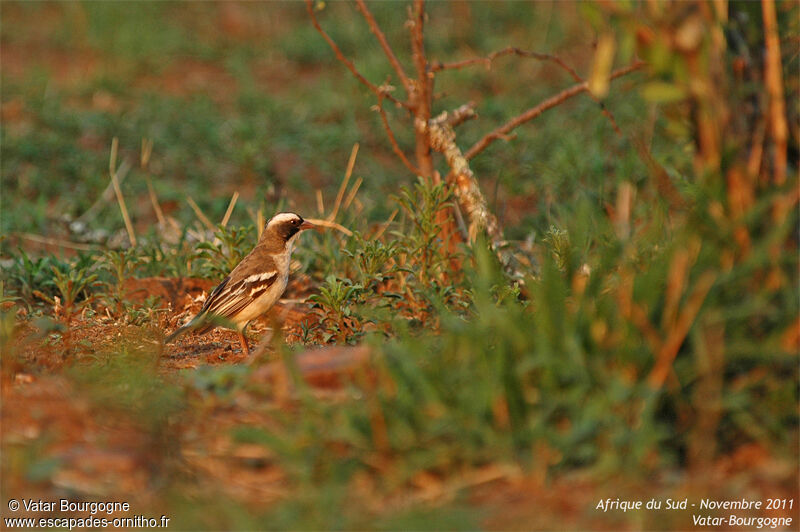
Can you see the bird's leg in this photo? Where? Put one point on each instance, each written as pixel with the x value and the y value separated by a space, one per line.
pixel 243 339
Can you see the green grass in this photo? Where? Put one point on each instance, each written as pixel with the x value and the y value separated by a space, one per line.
pixel 279 140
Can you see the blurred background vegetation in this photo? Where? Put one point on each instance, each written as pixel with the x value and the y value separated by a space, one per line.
pixel 646 343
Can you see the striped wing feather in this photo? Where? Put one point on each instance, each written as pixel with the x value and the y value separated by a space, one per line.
pixel 229 299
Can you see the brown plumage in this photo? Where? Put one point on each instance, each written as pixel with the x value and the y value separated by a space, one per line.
pixel 255 284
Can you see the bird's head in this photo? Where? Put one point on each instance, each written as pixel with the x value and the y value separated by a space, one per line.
pixel 284 226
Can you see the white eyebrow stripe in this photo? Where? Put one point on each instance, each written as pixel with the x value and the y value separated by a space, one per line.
pixel 283 217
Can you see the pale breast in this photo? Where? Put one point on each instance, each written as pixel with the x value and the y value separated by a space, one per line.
pixel 264 302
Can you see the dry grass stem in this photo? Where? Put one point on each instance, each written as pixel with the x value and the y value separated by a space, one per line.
pixel 154 201
pixel 107 194
pixel 352 194
pixel 331 224
pixel 385 225
pixel 57 242
pixel 202 217
pixel 228 212
pixel 146 152
pixel 112 168
pixel 320 203
pixel 350 164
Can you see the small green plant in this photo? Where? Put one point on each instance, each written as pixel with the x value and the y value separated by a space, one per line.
pixel 374 260
pixel 336 300
pixel 73 294
pixel 26 275
pixel 120 264
pixel 226 251
pixel 7 321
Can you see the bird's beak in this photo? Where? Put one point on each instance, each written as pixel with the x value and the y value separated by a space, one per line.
pixel 307 225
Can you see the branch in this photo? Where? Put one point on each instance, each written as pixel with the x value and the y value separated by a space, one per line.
pixel 533 112
pixel 511 50
pixel 376 30
pixel 395 147
pixel 420 98
pixel 466 189
pixel 349 64
pixel 488 60
pixel 773 79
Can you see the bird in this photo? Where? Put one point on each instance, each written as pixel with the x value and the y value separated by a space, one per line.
pixel 255 284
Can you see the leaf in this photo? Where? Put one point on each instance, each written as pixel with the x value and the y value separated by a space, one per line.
pixel 663 92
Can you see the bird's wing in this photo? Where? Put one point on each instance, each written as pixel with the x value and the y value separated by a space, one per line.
pixel 232 297
pixel 250 279
pixel 227 301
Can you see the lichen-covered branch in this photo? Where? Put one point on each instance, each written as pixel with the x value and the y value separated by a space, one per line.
pixel 465 186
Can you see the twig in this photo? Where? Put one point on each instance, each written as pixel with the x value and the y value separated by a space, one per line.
pixel 458 116
pixel 533 112
pixel 200 214
pixel 395 147
pixel 57 242
pixel 350 163
pixel 349 64
pixel 511 50
pixel 331 224
pixel 488 60
pixel 376 30
pixel 112 169
pixel 228 212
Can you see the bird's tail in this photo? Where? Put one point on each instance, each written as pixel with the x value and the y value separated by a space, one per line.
pixel 179 331
pixel 198 325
